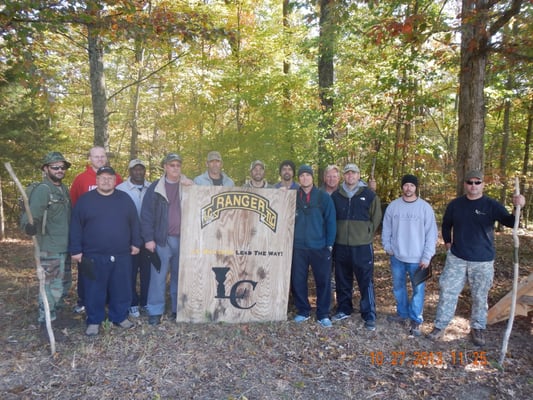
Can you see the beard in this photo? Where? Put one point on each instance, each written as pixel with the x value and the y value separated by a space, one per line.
pixel 54 178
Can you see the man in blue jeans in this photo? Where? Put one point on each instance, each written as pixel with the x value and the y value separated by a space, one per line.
pixel 161 229
pixel 409 237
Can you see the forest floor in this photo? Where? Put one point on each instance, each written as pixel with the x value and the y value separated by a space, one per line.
pixel 272 360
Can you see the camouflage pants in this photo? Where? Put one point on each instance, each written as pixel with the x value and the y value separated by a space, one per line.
pixel 54 270
pixel 456 271
pixel 67 280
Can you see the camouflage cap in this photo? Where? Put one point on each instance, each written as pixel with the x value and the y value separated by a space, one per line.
pixel 53 157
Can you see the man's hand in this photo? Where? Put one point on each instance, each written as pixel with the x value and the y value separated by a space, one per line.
pixel 186 181
pixel 423 265
pixel 30 229
pixel 134 250
pixel 76 257
pixel 372 184
pixel 518 200
pixel 150 246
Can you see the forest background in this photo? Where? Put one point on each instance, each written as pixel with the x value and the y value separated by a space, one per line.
pixel 432 88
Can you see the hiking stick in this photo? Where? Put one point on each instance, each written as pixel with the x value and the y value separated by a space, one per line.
pixel 36 254
pixel 516 245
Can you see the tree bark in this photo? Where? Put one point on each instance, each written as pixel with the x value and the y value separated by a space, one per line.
pixel 135 98
pixel 326 49
pixel 471 85
pixel 477 29
pixel 98 88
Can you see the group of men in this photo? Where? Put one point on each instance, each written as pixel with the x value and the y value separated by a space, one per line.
pixel 117 230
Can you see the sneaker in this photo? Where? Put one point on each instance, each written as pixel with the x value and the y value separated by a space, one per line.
pixel 396 319
pixel 370 325
pixel 477 337
pixel 325 323
pixel 415 329
pixel 92 329
pixel 126 324
pixel 300 318
pixel 79 309
pixel 134 312
pixel 436 334
pixel 154 319
pixel 340 316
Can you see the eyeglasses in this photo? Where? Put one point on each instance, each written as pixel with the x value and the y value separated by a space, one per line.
pixel 57 167
pixel 474 182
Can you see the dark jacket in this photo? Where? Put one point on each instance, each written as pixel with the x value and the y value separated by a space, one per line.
pixel 358 217
pixel 154 213
pixel 314 226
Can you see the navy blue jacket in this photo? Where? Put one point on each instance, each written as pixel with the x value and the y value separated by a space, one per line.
pixel 314 226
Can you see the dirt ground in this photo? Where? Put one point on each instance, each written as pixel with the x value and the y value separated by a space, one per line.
pixel 273 360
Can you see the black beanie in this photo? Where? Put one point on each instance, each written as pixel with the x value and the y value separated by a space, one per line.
pixel 410 179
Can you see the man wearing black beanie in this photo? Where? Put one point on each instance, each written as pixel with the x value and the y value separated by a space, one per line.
pixel 409 237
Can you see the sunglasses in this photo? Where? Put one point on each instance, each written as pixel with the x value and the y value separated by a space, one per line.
pixel 474 182
pixel 57 167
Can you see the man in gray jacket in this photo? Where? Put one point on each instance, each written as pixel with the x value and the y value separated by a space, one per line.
pixel 214 175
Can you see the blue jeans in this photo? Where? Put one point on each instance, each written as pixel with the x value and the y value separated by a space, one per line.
pixel 404 308
pixel 320 262
pixel 170 257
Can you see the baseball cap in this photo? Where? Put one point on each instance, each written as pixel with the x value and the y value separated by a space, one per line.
pixel 257 162
pixel 169 158
pixel 474 174
pixel 350 167
pixel 105 170
pixel 135 162
pixel 214 155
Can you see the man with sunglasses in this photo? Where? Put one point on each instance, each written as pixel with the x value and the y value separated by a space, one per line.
pixel 470 254
pixel 50 208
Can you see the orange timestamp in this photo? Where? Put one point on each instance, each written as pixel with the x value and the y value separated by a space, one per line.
pixel 428 358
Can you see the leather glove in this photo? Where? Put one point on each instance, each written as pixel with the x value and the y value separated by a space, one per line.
pixel 30 229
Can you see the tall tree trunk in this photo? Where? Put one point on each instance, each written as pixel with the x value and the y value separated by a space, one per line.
pixel 471 86
pixel 475 38
pixel 286 9
pixel 135 98
pixel 326 49
pixel 527 190
pixel 527 145
pixel 98 87
pixel 505 142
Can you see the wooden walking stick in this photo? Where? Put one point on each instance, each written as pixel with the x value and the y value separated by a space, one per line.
pixel 36 254
pixel 516 245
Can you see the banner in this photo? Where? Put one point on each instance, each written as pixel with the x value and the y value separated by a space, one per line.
pixel 235 254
